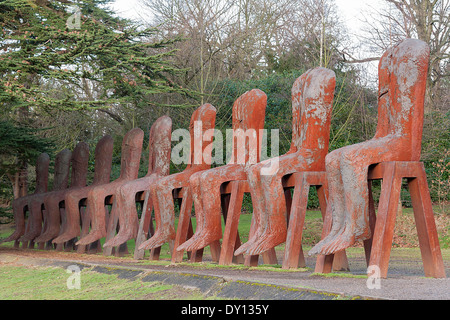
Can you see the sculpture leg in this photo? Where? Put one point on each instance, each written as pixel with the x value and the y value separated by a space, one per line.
pixel 96 206
pixel 272 228
pixel 206 191
pixel 18 206
pixel 126 209
pixel 51 203
pixel 34 222
pixel 258 203
pixel 73 220
pixel 196 194
pixel 336 190
pixel 164 208
pixel 348 191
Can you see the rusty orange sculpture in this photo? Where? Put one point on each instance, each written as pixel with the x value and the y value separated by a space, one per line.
pixel 161 193
pixel 34 223
pixel 52 200
pixel 124 203
pixel 248 122
pixel 402 81
pixel 312 104
pixel 102 173
pixel 21 205
pixel 131 155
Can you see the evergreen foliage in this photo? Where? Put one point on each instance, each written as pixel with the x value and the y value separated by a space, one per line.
pixel 22 143
pixel 48 62
pixel 19 145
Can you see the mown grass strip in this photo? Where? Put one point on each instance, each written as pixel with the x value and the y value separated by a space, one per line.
pixel 39 283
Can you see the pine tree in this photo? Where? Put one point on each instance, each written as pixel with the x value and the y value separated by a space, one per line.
pixel 19 145
pixel 75 56
pixel 53 52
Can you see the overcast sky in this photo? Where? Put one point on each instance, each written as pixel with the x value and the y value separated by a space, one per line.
pixel 351 10
pixel 127 8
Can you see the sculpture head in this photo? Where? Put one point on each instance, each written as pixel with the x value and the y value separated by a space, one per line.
pixel 160 146
pixel 206 116
pixel 103 160
pixel 62 168
pixel 249 112
pixel 312 104
pixel 131 154
pixel 402 82
pixel 408 83
pixel 80 162
pixel 384 76
pixel 42 165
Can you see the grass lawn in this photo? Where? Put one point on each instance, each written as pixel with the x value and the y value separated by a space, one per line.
pixel 39 283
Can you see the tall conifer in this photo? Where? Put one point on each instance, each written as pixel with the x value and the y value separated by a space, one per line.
pixel 51 50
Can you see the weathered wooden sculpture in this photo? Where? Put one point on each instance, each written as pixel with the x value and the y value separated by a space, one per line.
pixel 248 122
pixel 162 192
pixel 52 215
pixel 73 198
pixel 34 223
pixel 124 211
pixel 392 154
pixel 131 155
pixel 21 205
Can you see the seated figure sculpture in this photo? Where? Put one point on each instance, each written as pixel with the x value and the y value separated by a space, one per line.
pixel 248 122
pixel 402 80
pixel 20 205
pixel 161 192
pixel 312 103
pixel 80 159
pixel 129 169
pixel 102 173
pixel 34 223
pixel 124 202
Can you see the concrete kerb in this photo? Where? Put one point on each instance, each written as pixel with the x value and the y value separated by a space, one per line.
pixel 210 286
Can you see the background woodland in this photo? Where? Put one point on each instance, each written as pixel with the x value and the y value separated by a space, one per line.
pixel 61 85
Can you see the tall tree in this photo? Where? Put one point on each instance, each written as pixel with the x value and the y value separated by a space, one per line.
pixel 19 145
pixel 248 38
pixel 203 24
pixel 427 20
pixel 49 61
pixel 62 56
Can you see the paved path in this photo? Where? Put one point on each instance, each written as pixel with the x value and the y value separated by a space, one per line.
pixel 405 279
